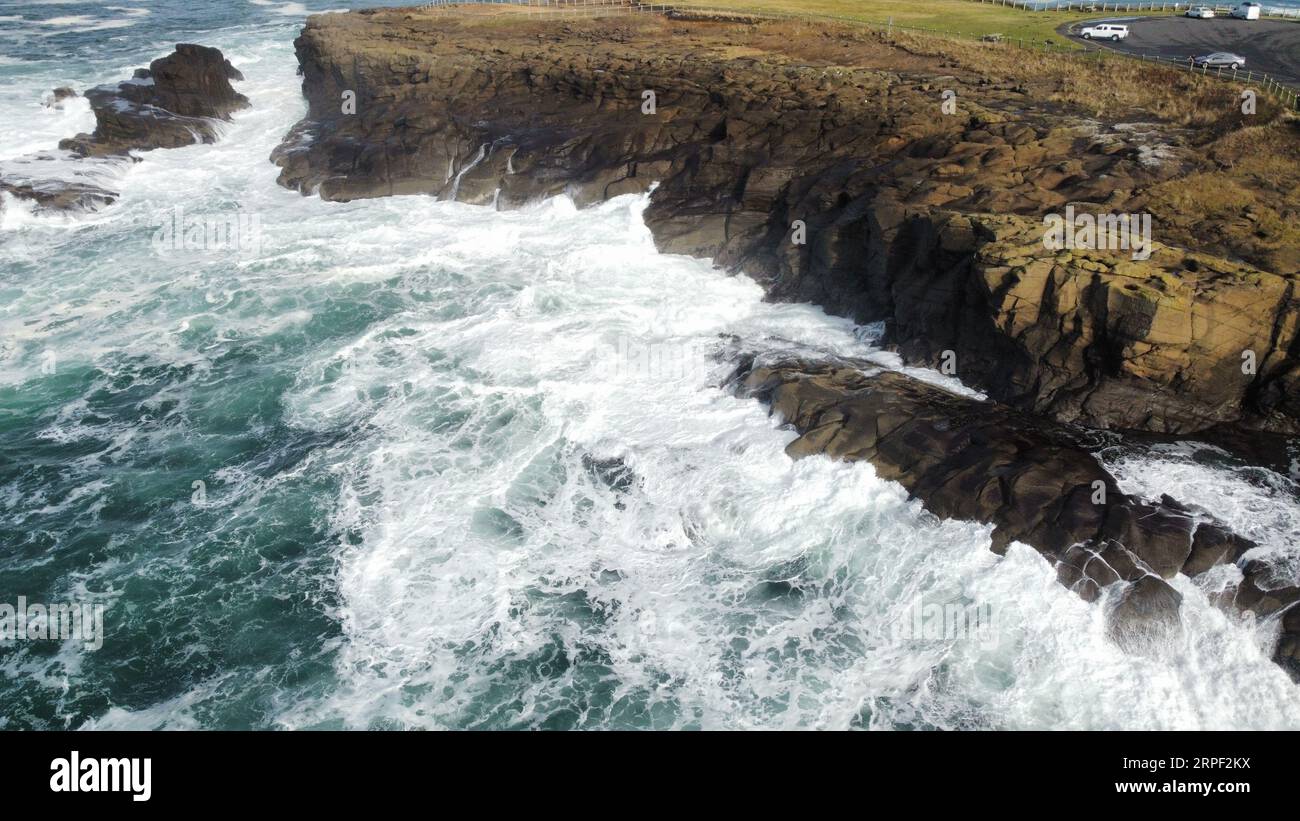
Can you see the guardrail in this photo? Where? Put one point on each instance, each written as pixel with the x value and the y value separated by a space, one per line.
pixel 1281 91
pixel 1288 95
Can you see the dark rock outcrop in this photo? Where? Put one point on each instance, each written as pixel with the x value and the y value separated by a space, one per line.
pixel 1035 481
pixel 59 195
pixel 172 103
pixel 910 212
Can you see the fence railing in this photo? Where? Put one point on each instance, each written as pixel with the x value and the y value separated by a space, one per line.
pixel 1140 6
pixel 1280 90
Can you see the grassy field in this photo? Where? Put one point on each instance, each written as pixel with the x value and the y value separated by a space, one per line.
pixel 956 16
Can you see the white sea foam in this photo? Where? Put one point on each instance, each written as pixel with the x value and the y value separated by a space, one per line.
pixel 1257 503
pixel 286 9
pixel 527 534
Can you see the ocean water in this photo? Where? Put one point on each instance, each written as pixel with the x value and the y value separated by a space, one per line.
pixel 411 464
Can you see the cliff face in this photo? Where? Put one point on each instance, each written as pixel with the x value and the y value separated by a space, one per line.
pixel 1176 343
pixel 901 169
pixel 885 183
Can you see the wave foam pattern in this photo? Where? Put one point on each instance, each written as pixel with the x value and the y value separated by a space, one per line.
pixel 434 499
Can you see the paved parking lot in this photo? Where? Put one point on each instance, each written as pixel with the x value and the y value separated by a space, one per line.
pixel 1270 46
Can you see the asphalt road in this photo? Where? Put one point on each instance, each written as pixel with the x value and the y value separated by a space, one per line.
pixel 1270 46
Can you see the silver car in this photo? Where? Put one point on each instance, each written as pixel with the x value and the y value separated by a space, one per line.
pixel 1220 59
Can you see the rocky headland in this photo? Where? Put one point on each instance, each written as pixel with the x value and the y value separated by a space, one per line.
pixel 905 181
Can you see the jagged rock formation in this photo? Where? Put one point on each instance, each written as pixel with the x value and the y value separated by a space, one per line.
pixel 170 104
pixel 900 200
pixel 1034 480
pixel 173 103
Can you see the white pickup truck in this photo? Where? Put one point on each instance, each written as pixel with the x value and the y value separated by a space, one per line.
pixel 1104 31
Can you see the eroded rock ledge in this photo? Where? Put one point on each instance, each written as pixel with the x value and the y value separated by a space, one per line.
pixel 906 207
pixel 1037 483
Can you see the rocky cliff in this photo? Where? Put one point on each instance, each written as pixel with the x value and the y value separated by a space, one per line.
pixel 855 173
pixel 888 180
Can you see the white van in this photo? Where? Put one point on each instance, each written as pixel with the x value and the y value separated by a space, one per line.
pixel 1247 11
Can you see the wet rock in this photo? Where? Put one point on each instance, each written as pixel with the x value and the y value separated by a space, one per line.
pixel 1144 618
pixel 172 103
pixel 58 96
pixel 1287 653
pixel 60 195
pixel 1035 481
pixel 1273 598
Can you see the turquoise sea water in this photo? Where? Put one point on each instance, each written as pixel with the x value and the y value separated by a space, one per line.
pixel 395 468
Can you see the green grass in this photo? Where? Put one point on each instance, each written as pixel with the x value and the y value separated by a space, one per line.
pixel 964 17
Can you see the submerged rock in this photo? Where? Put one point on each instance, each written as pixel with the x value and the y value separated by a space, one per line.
pixel 1144 617
pixel 60 195
pixel 58 95
pixel 1269 597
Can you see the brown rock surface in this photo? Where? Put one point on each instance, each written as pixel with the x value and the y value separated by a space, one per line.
pixel 907 209
pixel 1177 343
